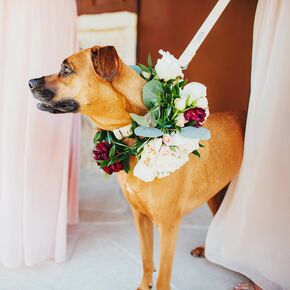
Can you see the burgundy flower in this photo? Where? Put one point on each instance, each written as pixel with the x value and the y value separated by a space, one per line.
pixel 101 151
pixel 196 114
pixel 117 166
pixel 108 169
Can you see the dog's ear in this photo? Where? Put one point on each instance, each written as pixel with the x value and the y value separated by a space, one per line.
pixel 106 61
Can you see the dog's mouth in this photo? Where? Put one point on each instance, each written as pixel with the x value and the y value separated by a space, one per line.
pixel 59 107
pixel 47 104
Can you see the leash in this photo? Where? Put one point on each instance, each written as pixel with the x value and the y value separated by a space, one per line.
pixel 202 33
pixel 188 53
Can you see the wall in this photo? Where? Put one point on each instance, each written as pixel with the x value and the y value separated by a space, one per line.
pixel 120 30
pixel 223 61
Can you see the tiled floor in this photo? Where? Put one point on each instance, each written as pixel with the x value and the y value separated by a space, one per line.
pixel 104 250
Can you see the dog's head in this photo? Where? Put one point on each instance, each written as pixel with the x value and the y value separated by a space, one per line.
pixel 94 82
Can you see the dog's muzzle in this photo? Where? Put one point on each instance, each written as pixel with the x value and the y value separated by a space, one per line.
pixel 39 91
pixel 45 96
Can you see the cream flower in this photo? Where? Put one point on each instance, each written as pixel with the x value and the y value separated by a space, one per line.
pixel 144 172
pixel 180 120
pixel 193 92
pixel 145 168
pixel 167 139
pixel 169 160
pixel 180 104
pixel 168 67
pixel 162 156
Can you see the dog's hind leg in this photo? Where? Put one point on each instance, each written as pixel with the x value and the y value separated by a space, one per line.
pixel 168 237
pixel 145 230
pixel 214 204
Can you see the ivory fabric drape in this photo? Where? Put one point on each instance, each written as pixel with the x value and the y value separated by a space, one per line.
pixel 251 232
pixel 38 151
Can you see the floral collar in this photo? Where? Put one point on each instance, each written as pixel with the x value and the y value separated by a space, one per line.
pixel 170 131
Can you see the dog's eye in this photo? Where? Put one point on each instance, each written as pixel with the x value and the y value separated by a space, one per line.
pixel 65 71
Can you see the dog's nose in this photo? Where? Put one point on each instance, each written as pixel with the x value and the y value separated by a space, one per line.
pixel 33 83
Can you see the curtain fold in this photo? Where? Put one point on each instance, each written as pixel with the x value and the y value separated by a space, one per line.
pixel 38 151
pixel 251 231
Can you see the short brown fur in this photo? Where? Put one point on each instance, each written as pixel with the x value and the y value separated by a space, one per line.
pixel 107 90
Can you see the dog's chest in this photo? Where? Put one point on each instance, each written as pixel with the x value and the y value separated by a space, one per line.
pixel 139 196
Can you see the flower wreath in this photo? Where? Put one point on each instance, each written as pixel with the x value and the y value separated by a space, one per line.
pixel 168 133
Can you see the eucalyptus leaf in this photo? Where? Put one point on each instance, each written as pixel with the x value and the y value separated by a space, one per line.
pixel 196 133
pixel 148 132
pixel 151 92
pixel 154 117
pixel 136 68
pixel 140 120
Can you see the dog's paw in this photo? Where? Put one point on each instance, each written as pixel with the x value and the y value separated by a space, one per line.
pixel 198 252
pixel 147 288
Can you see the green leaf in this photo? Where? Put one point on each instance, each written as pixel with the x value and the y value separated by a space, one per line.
pixel 112 152
pixel 148 132
pixel 182 83
pixel 140 120
pixel 168 111
pixel 151 92
pixel 195 152
pixel 200 145
pixel 196 133
pixel 143 67
pixel 191 123
pixel 149 61
pixel 105 163
pixel 126 165
pixel 98 136
pixel 113 160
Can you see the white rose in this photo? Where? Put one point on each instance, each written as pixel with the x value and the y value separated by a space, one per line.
pixel 180 103
pixel 168 67
pixel 202 102
pixel 193 91
pixel 180 120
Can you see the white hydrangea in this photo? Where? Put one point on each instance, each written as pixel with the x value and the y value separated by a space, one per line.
pixel 162 156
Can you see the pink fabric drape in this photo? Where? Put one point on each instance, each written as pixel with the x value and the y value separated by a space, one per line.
pixel 251 232
pixel 38 151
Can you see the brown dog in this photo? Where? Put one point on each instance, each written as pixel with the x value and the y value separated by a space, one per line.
pixel 98 84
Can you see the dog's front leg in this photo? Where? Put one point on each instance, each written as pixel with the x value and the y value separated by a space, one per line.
pixel 145 230
pixel 168 237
